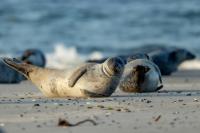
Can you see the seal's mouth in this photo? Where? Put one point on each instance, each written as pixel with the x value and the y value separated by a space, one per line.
pixel 113 66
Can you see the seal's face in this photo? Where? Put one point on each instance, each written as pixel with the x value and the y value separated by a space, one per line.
pixel 180 55
pixel 34 57
pixel 138 74
pixel 134 81
pixel 113 66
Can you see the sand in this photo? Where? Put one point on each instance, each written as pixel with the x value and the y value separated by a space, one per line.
pixel 176 108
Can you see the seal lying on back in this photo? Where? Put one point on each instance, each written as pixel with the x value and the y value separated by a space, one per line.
pixel 167 58
pixel 141 75
pixel 31 56
pixel 87 80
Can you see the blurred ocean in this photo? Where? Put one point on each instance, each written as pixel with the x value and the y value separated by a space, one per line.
pixel 72 30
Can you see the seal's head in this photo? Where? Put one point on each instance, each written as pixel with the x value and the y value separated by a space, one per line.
pixel 134 81
pixel 140 75
pixel 101 79
pixel 113 66
pixel 180 55
pixel 34 57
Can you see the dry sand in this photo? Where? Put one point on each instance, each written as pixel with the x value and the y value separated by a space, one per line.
pixel 176 108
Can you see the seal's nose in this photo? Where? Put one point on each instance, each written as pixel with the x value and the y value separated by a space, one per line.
pixel 115 65
pixel 191 56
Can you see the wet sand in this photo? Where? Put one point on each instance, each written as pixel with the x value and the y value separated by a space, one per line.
pixel 176 108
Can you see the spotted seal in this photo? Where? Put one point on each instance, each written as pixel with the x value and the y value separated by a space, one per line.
pixel 87 80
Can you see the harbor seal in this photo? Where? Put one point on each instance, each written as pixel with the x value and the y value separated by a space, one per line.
pixel 31 56
pixel 141 75
pixel 167 58
pixel 87 80
pixel 34 57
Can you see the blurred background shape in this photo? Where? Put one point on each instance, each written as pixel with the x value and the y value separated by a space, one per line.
pixel 73 30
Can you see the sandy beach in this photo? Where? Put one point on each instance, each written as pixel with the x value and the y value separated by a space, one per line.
pixel 176 108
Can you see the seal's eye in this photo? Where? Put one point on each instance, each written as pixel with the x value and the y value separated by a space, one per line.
pixel 146 69
pixel 140 68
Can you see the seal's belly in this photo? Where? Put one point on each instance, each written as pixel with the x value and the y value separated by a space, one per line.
pixel 57 86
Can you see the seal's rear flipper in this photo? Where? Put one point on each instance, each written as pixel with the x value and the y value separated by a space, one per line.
pixel 18 66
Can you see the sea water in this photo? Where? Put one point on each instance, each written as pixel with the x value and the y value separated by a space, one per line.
pixel 70 31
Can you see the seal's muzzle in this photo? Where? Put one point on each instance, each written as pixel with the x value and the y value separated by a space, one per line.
pixel 191 56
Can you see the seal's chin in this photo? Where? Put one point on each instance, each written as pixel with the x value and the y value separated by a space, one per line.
pixel 113 66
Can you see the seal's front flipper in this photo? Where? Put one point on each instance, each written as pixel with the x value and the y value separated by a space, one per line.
pixel 92 94
pixel 18 66
pixel 76 75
